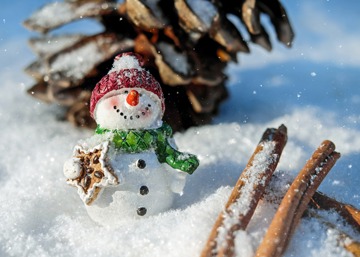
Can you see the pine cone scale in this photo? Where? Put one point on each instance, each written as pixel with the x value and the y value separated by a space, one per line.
pixel 49 45
pixel 55 14
pixel 142 16
pixel 279 19
pixel 251 17
pixel 40 91
pixel 190 21
pixel 74 64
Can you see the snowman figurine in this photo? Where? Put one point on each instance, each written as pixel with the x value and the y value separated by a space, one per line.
pixel 130 168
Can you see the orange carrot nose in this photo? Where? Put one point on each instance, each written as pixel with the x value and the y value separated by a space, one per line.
pixel 133 98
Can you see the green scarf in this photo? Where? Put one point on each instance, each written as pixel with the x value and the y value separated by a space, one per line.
pixel 136 141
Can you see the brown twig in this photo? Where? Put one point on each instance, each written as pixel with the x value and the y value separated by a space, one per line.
pixel 347 211
pixel 296 200
pixel 250 187
pixel 320 201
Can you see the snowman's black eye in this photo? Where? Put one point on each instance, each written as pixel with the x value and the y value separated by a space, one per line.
pixel 125 92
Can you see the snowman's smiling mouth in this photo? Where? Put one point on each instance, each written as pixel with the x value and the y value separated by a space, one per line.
pixel 132 116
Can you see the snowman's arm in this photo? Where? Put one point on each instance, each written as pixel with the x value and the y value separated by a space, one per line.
pixel 176 179
pixel 181 161
pixel 72 168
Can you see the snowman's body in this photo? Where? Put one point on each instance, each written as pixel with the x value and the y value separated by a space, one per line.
pixel 146 187
pixel 130 168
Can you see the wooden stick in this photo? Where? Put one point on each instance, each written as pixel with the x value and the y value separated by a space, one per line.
pixel 250 187
pixel 345 240
pixel 347 211
pixel 321 201
pixel 296 200
pixel 352 246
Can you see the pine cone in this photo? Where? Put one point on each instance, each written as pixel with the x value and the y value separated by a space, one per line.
pixel 186 44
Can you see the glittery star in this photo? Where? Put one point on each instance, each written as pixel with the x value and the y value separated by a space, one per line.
pixel 95 173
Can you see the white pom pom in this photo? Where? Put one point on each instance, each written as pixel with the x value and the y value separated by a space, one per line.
pixel 126 62
pixel 72 168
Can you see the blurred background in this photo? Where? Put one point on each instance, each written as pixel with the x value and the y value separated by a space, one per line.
pixel 319 70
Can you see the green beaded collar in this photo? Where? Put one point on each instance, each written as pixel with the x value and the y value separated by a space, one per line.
pixel 136 141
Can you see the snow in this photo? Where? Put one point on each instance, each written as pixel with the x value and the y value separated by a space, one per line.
pixel 53 14
pixel 52 44
pixel 78 62
pixel 42 216
pixel 58 13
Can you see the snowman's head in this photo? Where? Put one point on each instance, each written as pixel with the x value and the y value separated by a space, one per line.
pixel 128 97
pixel 126 108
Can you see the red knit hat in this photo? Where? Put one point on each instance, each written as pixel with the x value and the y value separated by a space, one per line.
pixel 127 72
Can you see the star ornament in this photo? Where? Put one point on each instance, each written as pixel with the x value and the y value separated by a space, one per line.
pixel 94 173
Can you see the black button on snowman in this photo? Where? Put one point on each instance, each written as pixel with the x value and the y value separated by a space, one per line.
pixel 141 164
pixel 144 190
pixel 130 168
